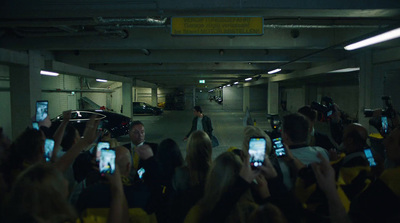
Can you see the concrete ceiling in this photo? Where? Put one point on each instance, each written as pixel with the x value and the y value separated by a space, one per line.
pixel 133 38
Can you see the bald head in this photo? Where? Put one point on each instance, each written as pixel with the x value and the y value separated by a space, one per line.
pixel 123 160
pixel 355 138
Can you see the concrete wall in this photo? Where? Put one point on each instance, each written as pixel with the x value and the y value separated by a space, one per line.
pixel 295 98
pixel 258 98
pixel 233 98
pixel 143 95
pixel 5 103
pixel 60 101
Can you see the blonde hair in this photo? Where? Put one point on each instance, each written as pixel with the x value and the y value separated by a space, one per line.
pixel 40 193
pixel 198 156
pixel 221 178
pixel 252 131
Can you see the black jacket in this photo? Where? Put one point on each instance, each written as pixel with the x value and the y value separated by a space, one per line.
pixel 207 126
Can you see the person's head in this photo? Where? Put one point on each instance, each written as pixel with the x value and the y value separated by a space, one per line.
pixel 28 147
pixel 198 156
pixel 197 111
pixel 354 138
pixel 123 160
pixel 309 113
pixel 252 131
pixel 267 213
pixel 295 129
pixel 40 193
pixel 221 177
pixel 71 136
pixel 392 146
pixel 137 132
pixel 169 156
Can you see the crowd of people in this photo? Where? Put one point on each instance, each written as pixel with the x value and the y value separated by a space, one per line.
pixel 319 179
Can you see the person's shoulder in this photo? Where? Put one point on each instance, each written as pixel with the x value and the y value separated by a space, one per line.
pixel 128 145
pixel 151 144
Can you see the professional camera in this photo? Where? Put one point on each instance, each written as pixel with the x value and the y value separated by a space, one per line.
pixel 275 125
pixel 388 111
pixel 326 107
pixel 383 122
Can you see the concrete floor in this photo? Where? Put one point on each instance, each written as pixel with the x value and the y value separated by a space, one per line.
pixel 228 127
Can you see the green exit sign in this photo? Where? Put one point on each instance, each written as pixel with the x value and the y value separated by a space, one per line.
pixel 202 81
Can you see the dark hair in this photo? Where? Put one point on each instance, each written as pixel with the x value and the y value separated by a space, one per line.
pixel 69 137
pixel 135 123
pixel 296 126
pixel 169 156
pixel 308 112
pixel 198 108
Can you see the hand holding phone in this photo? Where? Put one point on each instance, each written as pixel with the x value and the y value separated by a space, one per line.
pixel 107 161
pixel 279 148
pixel 257 148
pixel 48 149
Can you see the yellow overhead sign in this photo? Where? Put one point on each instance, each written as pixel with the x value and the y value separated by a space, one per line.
pixel 217 25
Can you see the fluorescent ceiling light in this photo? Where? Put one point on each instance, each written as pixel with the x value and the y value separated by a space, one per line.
pixel 101 80
pixel 274 71
pixel 229 85
pixel 237 82
pixel 395 33
pixel 345 70
pixel 49 73
pixel 248 79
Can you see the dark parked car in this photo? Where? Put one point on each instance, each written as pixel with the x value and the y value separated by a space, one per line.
pixel 116 124
pixel 144 108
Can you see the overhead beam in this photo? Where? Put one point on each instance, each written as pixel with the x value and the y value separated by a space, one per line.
pixel 10 57
pixel 144 38
pixel 315 70
pixel 60 67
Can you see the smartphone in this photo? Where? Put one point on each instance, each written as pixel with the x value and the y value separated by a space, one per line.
pixel 257 148
pixel 48 149
pixel 42 108
pixel 278 147
pixel 140 172
pixel 384 122
pixel 107 161
pixel 99 147
pixel 370 158
pixel 35 125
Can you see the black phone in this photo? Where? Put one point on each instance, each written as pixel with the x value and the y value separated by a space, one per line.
pixel 257 149
pixel 384 123
pixel 107 161
pixel 278 147
pixel 42 109
pixel 99 147
pixel 370 157
pixel 48 149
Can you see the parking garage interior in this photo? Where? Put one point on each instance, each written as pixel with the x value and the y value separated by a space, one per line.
pixel 133 45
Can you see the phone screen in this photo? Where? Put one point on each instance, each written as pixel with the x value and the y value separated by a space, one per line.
pixel 140 172
pixel 100 146
pixel 35 125
pixel 257 147
pixel 384 122
pixel 279 148
pixel 107 161
pixel 42 108
pixel 370 157
pixel 48 149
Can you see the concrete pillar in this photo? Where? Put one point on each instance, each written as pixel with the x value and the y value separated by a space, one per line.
pixel 25 90
pixel 273 98
pixel 154 98
pixel 127 99
pixel 365 86
pixel 246 98
pixel 5 103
